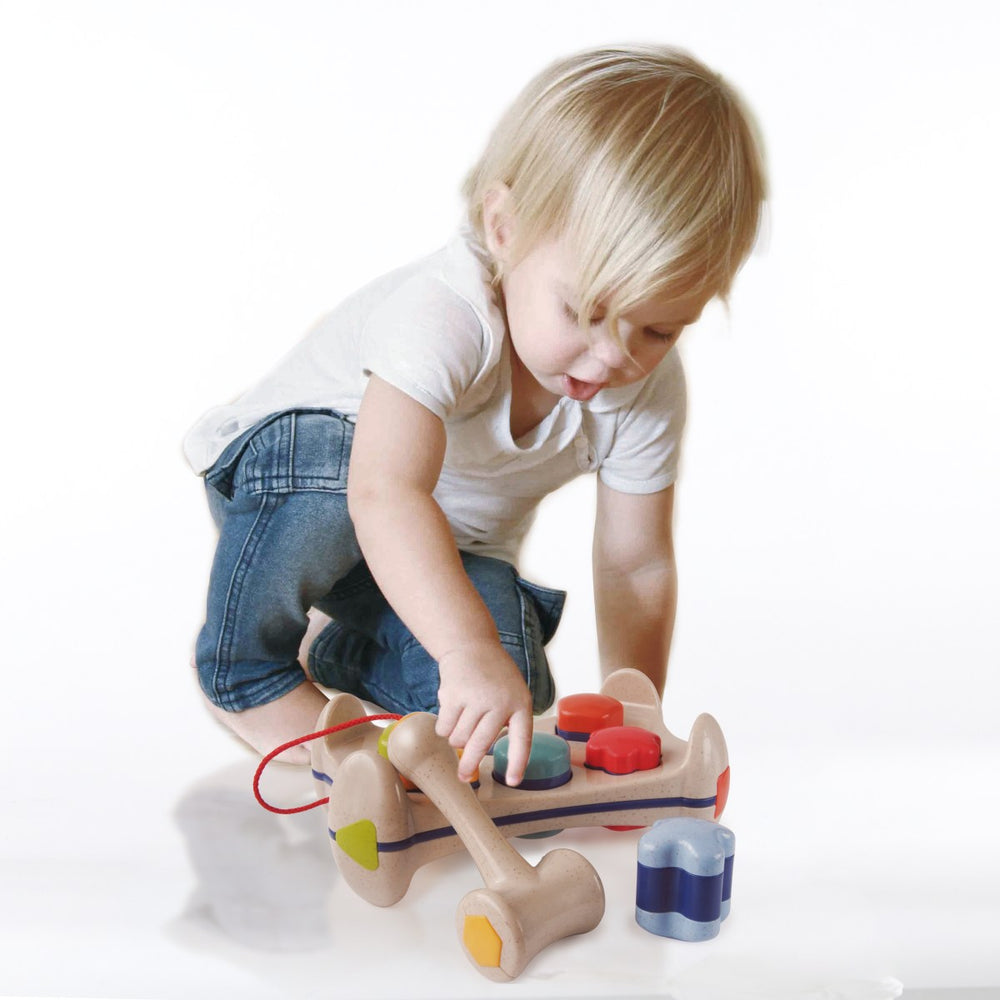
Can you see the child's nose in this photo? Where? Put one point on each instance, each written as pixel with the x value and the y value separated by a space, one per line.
pixel 609 353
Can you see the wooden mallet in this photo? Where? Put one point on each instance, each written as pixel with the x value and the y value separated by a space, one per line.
pixel 523 908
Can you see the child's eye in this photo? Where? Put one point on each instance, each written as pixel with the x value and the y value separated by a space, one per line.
pixel 663 338
pixel 574 316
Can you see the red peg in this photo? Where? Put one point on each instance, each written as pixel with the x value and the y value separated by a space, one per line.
pixel 580 715
pixel 623 749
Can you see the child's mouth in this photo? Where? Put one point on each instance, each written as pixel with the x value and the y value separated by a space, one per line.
pixel 580 391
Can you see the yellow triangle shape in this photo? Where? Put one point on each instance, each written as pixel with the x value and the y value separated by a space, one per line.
pixel 359 842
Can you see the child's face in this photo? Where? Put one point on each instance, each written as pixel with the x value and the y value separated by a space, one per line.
pixel 567 359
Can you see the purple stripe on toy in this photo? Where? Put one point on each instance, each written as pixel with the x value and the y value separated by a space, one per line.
pixel 568 734
pixel 561 812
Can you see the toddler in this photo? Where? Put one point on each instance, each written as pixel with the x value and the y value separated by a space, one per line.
pixel 385 473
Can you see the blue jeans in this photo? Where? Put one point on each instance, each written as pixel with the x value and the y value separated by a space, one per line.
pixel 278 494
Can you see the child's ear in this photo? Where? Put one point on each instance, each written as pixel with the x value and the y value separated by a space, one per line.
pixel 499 222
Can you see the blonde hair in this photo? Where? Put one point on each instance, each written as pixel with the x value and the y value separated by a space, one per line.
pixel 644 160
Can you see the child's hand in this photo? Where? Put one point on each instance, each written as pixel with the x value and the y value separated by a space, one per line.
pixel 481 692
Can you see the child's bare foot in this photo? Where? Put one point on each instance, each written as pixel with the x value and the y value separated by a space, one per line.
pixel 268 726
pixel 317 622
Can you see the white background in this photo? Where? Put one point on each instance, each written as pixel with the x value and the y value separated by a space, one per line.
pixel 185 187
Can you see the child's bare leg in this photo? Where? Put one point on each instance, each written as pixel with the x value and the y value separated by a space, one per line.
pixel 317 622
pixel 268 726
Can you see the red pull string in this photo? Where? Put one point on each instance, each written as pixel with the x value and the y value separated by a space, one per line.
pixel 388 716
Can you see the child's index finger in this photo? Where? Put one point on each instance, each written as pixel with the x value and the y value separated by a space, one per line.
pixel 518 747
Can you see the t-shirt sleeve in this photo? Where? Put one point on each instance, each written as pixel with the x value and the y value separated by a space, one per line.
pixel 646 449
pixel 428 342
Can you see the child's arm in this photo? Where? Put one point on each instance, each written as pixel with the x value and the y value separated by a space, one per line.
pixel 635 580
pixel 396 459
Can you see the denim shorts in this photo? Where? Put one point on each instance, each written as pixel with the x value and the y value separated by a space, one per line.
pixel 278 494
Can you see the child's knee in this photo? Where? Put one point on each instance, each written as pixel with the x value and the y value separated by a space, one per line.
pixel 236 687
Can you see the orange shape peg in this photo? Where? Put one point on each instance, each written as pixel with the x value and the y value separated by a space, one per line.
pixel 579 715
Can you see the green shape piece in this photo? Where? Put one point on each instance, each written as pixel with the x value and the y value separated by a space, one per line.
pixel 360 843
pixel 383 740
pixel 549 757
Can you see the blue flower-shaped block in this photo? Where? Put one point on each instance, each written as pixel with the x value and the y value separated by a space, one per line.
pixel 685 878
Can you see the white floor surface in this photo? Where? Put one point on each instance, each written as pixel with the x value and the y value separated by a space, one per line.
pixel 135 883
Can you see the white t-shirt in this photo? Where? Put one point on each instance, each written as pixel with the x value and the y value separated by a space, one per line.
pixel 434 330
